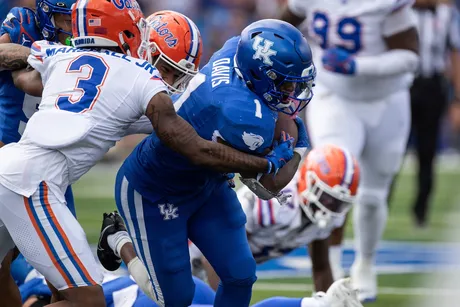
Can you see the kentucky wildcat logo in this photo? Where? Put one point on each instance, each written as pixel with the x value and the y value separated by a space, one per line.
pixel 162 29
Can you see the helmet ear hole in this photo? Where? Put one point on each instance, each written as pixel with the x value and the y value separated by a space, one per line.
pixel 128 34
pixel 254 75
pixel 255 34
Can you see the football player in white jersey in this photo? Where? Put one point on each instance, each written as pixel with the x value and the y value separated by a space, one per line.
pixel 90 97
pixel 366 54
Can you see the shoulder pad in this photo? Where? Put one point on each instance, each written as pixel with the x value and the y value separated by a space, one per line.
pixel 20 24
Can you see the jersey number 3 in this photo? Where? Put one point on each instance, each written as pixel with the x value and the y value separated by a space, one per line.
pixel 90 72
pixel 348 30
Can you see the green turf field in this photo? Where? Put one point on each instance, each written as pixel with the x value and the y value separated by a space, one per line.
pixel 93 194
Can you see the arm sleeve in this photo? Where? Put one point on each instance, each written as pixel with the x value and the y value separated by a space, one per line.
pixel 392 62
pixel 397 61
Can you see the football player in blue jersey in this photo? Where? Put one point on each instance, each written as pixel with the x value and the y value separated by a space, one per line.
pixel 123 291
pixel 164 199
pixel 118 290
pixel 23 26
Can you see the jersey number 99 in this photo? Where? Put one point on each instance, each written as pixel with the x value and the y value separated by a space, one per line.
pixel 88 85
pixel 348 30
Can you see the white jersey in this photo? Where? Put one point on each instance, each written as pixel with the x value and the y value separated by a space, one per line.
pixel 275 230
pixel 89 99
pixel 360 26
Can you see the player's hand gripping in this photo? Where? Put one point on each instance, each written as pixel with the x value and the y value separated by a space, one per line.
pixel 303 143
pixel 339 60
pixel 282 152
pixel 21 26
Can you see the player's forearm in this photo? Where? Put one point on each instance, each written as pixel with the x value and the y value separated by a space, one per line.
pixel 276 183
pixel 13 56
pixel 392 62
pixel 322 279
pixel 227 159
pixel 180 136
pixel 321 268
pixel 29 81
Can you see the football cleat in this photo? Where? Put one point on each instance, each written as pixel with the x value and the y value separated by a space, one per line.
pixel 342 294
pixel 111 224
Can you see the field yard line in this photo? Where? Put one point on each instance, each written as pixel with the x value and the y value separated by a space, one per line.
pixel 382 290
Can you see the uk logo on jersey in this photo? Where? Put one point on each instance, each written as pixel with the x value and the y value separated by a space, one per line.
pixel 169 211
pixel 263 51
pixel 253 141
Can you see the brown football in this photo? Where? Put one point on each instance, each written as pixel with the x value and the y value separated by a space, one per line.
pixel 287 124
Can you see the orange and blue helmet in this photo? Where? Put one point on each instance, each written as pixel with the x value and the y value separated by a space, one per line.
pixel 111 24
pixel 176 40
pixel 328 183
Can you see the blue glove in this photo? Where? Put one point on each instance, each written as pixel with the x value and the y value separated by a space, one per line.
pixel 302 139
pixel 21 26
pixel 339 60
pixel 280 155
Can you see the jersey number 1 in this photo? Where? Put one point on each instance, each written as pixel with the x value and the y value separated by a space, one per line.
pixel 88 85
pixel 348 30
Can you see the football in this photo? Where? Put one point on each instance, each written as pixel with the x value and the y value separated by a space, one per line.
pixel 287 124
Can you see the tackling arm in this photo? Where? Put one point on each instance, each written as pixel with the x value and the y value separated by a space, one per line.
pixel 276 183
pixel 13 56
pixel 29 81
pixel 322 274
pixel 177 134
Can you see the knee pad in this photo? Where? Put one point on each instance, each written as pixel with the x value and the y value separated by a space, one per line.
pixel 183 297
pixel 241 272
pixel 372 197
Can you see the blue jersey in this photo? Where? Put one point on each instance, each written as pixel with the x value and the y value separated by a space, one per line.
pixel 119 291
pixel 16 107
pixel 218 104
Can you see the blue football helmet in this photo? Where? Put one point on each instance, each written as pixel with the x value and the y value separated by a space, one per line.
pixel 45 11
pixel 275 61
